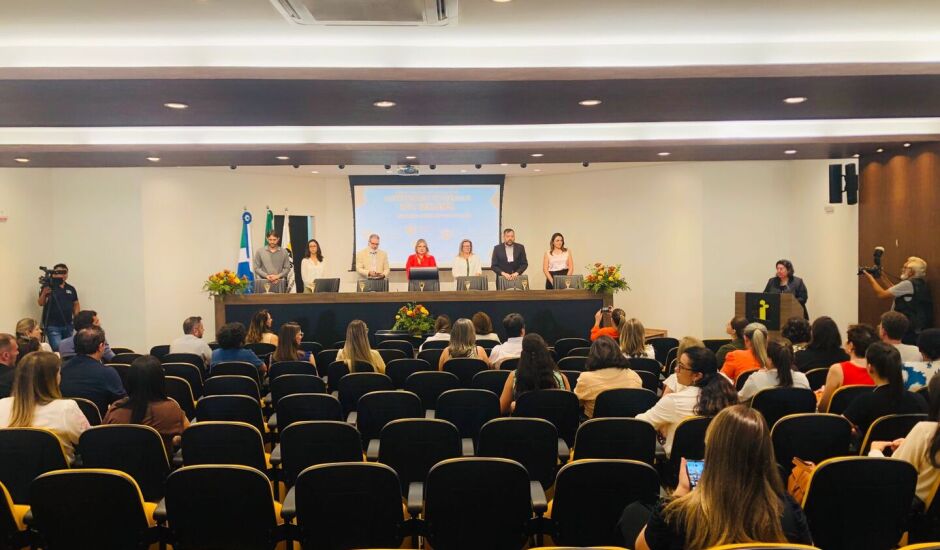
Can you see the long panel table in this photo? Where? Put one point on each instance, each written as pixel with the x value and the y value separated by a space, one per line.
pixel 323 316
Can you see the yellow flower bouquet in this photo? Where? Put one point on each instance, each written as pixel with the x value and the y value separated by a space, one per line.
pixel 605 278
pixel 225 282
pixel 413 318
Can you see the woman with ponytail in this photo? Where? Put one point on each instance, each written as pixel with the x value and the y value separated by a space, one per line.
pixel 778 373
pixel 752 357
pixel 889 396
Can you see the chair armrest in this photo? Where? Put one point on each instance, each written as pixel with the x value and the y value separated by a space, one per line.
pixel 335 394
pixel 372 450
pixel 276 455
pixel 159 514
pixel 537 494
pixel 467 444
pixel 272 422
pixel 563 452
pixel 660 455
pixel 289 508
pixel 28 517
pixel 415 498
pixel 352 417
pixel 178 458
pixel 267 399
pixel 429 414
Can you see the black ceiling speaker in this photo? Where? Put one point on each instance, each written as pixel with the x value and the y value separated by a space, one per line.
pixel 835 184
pixel 851 184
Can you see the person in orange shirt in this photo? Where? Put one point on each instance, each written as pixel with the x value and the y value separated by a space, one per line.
pixel 607 323
pixel 752 357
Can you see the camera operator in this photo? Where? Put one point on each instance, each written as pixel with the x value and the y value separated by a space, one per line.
pixel 59 301
pixel 911 296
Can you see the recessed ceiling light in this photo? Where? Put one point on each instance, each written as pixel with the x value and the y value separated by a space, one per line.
pixel 153 159
pixel 664 153
pixel 537 170
pixel 384 104
pixel 537 155
pixel 282 157
pixel 589 102
pixel 879 150
pixel 504 164
pixel 502 1
pixel 790 152
pixel 796 100
pixel 411 157
pixel 21 160
pixel 907 144
pixel 314 171
pixel 855 156
pixel 176 105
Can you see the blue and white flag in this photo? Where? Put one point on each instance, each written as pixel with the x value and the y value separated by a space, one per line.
pixel 244 252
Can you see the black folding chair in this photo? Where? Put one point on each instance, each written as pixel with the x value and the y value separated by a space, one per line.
pixel 560 407
pixel 812 436
pixel 620 438
pixel 493 380
pixel 624 402
pixel 429 385
pixel 400 369
pixel 465 368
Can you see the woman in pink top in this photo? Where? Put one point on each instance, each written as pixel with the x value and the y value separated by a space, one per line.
pixel 855 370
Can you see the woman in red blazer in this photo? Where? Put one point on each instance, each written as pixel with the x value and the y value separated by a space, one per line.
pixel 420 258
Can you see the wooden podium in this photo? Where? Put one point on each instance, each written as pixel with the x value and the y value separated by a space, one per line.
pixel 771 310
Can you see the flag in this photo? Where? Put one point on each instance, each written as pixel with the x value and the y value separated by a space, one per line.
pixel 268 224
pixel 244 251
pixel 285 242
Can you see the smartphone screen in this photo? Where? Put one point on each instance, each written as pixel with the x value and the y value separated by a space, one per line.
pixel 694 468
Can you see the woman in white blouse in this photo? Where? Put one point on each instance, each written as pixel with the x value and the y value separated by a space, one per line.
pixel 467 264
pixel 557 261
pixel 311 267
pixel 36 401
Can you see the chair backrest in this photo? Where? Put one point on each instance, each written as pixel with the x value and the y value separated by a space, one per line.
pixel 138 451
pixel 473 282
pixel 671 357
pixel 714 344
pixel 125 358
pixel 493 380
pixel 372 285
pixel 326 285
pixel 621 438
pixel 25 453
pixel 424 286
pixel 429 385
pixel 12 533
pixel 412 446
pixel 434 344
pixel 325 357
pixel 289 384
pixel 334 500
pixel 889 428
pixel 400 369
pixel 353 386
pixel 775 403
pixel 223 443
pixel 122 369
pixel 590 496
pixel 742 378
pixel 89 409
pixel 230 408
pixel 623 402
pixel 307 406
pixel 312 347
pixel 89 508
pixel 532 442
pixel 491 494
pixel 308 443
pixel 560 407
pixel 281 368
pixel 336 370
pixel 572 362
pixel 519 283
pixel 232 385
pixel 391 354
pixel 509 364
pixel 339 344
pixel 812 436
pixel 566 282
pixel 201 514
pixel 662 345
pixel 378 408
pixel 261 349
pixel 817 377
pixel 650 380
pixel 464 368
pixel 188 372
pixel 572 376
pixel 235 368
pixel 432 355
pixel 844 395
pixel 689 443
pixel 564 345
pixel 859 502
pixel 179 390
pixel 647 364
pixel 487 345
pixel 160 350
pixel 468 409
pixel 579 352
pixel 403 346
pixel 191 358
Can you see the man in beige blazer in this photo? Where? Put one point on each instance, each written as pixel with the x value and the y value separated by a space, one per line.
pixel 371 262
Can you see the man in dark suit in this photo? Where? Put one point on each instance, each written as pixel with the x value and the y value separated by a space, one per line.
pixel 86 376
pixel 509 259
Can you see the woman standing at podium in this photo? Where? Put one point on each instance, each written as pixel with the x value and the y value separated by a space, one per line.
pixel 557 261
pixel 420 258
pixel 311 267
pixel 786 283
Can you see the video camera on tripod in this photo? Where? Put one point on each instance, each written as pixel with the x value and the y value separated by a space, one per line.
pixel 48 277
pixel 875 270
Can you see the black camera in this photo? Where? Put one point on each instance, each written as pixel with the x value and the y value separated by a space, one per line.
pixel 875 270
pixel 48 277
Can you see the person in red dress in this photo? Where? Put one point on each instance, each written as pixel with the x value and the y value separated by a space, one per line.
pixel 420 258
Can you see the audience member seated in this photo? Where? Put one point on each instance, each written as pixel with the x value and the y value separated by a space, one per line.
pixel 36 401
pixel 86 376
pixel 147 403
pixel 824 348
pixel 606 368
pixel 288 347
pixel 705 393
pixel 671 383
pixel 752 357
pixel 891 329
pixel 191 341
pixel 798 331
pixel 889 395
pixel 231 339
pixel 483 326
pixel 9 353
pixel 514 325
pixel 918 374
pixel 606 323
pixel 740 496
pixel 357 348
pixel 260 331
pixel 633 340
pixel 778 372
pixel 28 329
pixel 734 329
pixel 855 370
pixel 463 343
pixel 441 331
pixel 536 371
pixel 85 319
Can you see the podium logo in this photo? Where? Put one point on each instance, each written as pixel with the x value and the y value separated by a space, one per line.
pixel 764 306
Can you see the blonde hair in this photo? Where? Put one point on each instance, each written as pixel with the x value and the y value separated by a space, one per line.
pixel 463 339
pixel 917 265
pixel 738 496
pixel 757 334
pixel 460 248
pixel 258 327
pixel 35 383
pixel 24 327
pixel 688 342
pixel 633 338
pixel 357 346
pixel 419 242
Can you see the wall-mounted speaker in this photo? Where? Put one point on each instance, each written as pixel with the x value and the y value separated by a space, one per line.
pixel 835 183
pixel 851 184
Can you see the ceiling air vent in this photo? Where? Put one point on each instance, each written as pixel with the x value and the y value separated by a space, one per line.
pixel 369 12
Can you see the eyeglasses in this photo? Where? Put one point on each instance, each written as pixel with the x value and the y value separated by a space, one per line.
pixel 683 366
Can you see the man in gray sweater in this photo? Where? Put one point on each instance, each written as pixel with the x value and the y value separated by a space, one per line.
pixel 272 263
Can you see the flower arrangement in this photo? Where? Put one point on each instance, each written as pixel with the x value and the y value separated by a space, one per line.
pixel 413 318
pixel 605 278
pixel 225 282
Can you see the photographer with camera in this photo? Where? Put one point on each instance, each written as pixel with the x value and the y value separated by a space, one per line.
pixel 911 296
pixel 59 302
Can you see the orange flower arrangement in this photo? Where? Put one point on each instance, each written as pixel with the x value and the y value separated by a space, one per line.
pixel 413 318
pixel 605 278
pixel 225 282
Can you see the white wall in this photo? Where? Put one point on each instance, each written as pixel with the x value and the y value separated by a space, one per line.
pixel 140 241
